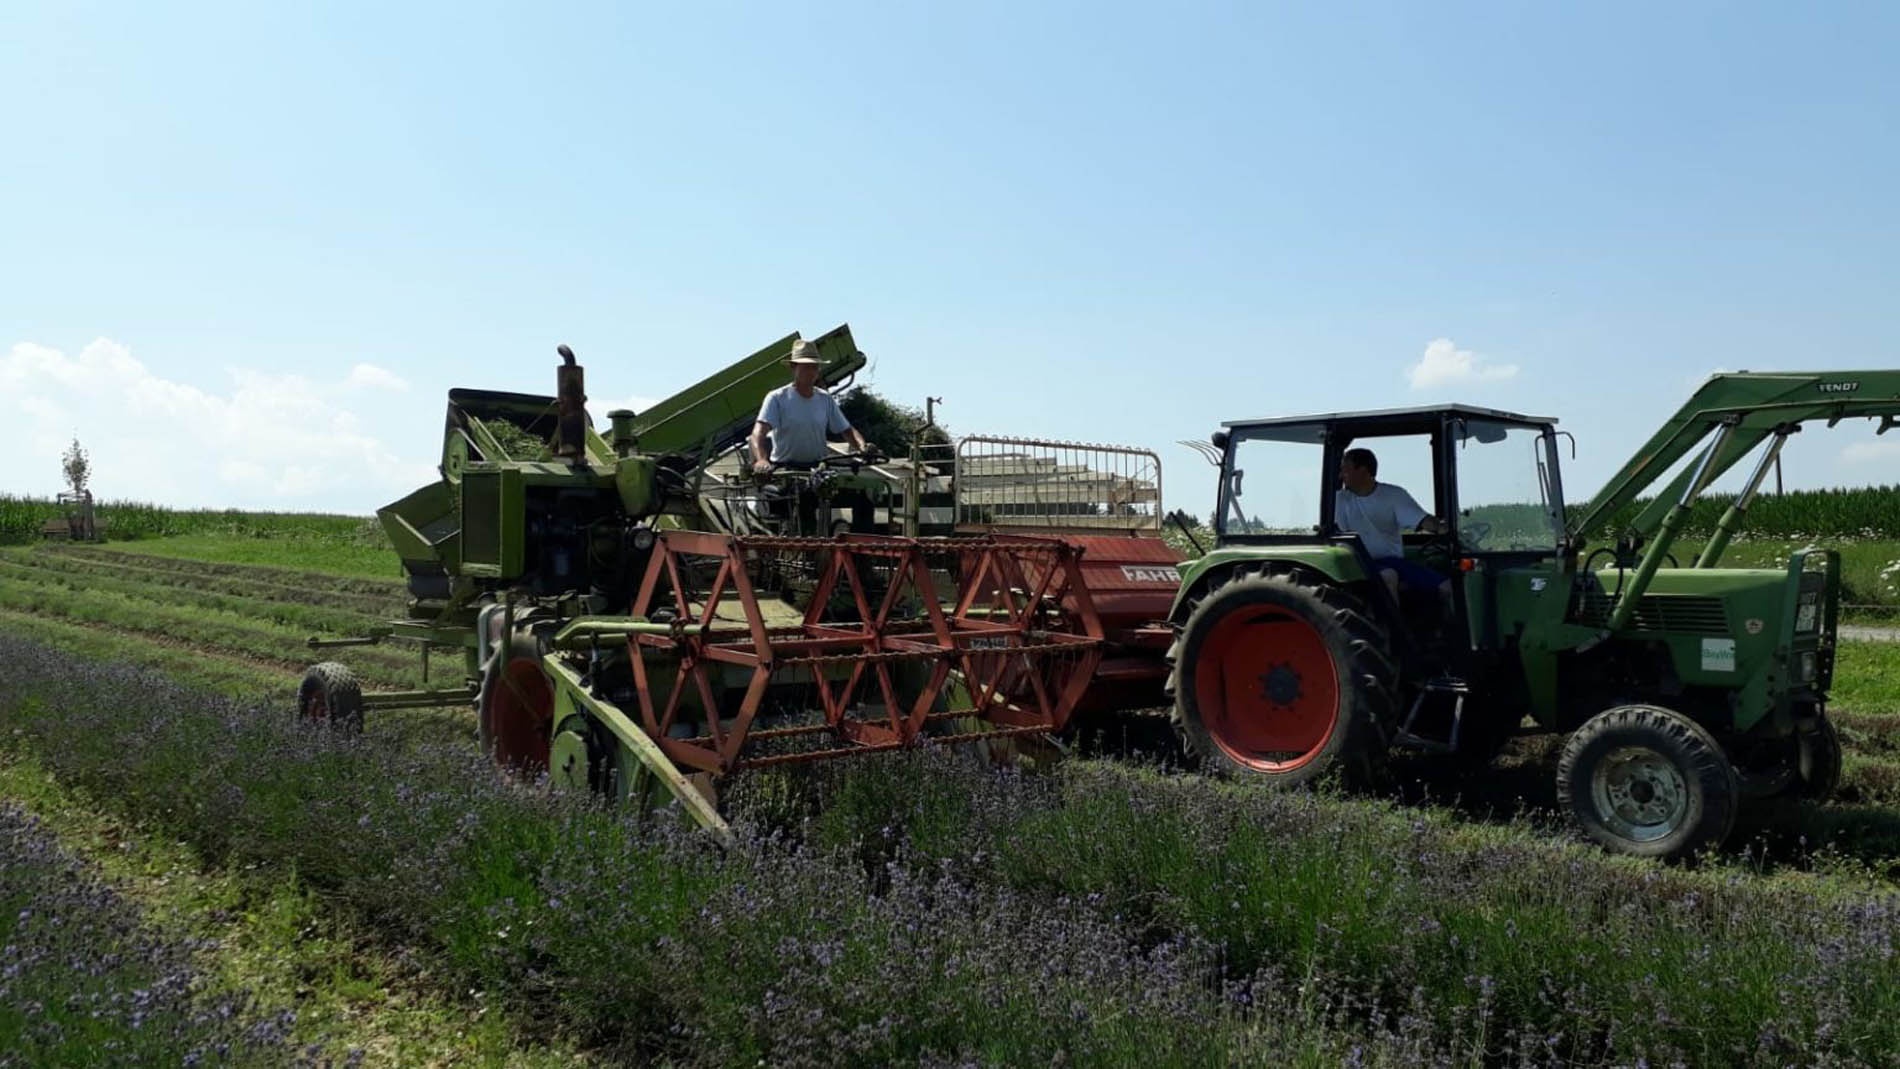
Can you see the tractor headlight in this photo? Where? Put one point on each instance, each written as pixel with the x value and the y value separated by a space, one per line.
pixel 643 538
pixel 1805 667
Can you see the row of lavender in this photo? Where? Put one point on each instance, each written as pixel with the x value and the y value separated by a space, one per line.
pixel 927 909
pixel 85 981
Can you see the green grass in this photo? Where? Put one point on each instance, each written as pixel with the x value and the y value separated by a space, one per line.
pixel 236 633
pixel 308 619
pixel 277 575
pixel 261 584
pixel 289 553
pixel 1867 678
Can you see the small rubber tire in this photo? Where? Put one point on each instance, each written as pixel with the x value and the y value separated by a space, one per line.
pixel 330 694
pixel 1325 682
pixel 1649 782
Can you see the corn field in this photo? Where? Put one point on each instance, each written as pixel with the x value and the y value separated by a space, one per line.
pixel 22 517
pixel 1866 512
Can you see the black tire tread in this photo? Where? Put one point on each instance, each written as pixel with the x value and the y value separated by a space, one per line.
pixel 1348 628
pixel 342 694
pixel 1712 778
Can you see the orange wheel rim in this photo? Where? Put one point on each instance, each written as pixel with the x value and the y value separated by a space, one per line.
pixel 521 716
pixel 1267 689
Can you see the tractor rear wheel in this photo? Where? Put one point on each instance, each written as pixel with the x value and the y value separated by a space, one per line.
pixel 330 695
pixel 515 708
pixel 1281 680
pixel 1648 781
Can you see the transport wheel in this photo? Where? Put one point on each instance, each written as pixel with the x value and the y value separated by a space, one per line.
pixel 1648 781
pixel 1280 680
pixel 516 707
pixel 330 694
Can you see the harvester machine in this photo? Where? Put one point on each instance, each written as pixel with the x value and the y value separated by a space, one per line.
pixel 641 614
pixel 1683 688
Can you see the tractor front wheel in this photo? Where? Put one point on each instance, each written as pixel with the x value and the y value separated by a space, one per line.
pixel 1281 680
pixel 330 695
pixel 1648 781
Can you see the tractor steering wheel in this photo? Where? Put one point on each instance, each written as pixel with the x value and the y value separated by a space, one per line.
pixel 1472 535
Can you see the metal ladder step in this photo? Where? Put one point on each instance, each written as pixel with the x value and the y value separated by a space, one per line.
pixel 1457 690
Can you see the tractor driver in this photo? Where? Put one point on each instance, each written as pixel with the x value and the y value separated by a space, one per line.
pixel 798 417
pixel 1379 513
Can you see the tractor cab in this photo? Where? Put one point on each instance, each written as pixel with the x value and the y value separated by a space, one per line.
pixel 1488 476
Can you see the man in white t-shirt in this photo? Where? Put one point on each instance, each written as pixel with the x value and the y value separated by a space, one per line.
pixel 1379 513
pixel 799 416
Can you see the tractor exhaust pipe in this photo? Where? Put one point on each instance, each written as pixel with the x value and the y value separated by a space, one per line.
pixel 570 391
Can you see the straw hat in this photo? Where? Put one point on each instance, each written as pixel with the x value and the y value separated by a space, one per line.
pixel 804 352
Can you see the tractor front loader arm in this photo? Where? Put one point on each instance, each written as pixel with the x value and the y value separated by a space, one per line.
pixel 1752 407
pixel 1737 412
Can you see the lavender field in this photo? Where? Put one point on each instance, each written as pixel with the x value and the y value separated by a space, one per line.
pixel 919 909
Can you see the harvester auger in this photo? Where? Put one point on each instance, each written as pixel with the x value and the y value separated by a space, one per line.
pixel 640 615
pixel 1684 691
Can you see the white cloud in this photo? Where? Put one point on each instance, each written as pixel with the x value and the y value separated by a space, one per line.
pixel 1444 364
pixel 274 440
pixel 371 377
pixel 1874 451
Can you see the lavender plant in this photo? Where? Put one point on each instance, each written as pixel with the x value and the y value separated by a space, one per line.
pixel 83 981
pixel 927 909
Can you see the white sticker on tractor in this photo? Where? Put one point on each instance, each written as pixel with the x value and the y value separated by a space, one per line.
pixel 1150 573
pixel 1718 655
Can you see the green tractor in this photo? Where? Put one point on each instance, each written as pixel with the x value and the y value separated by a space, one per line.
pixel 1684 691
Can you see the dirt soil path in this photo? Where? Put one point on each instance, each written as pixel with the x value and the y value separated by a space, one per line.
pixel 1871 634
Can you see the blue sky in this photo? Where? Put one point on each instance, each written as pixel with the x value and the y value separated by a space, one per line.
pixel 245 249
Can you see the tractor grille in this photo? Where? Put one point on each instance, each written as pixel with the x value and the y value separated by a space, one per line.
pixel 1691 613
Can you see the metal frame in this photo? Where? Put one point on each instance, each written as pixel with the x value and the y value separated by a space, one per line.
pixel 991 635
pixel 1120 486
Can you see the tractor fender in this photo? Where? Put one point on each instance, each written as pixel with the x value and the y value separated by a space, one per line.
pixel 1315 564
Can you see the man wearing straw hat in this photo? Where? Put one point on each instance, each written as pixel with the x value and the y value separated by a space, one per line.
pixel 798 417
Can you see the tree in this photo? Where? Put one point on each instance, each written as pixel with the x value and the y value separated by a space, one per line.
pixel 77 466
